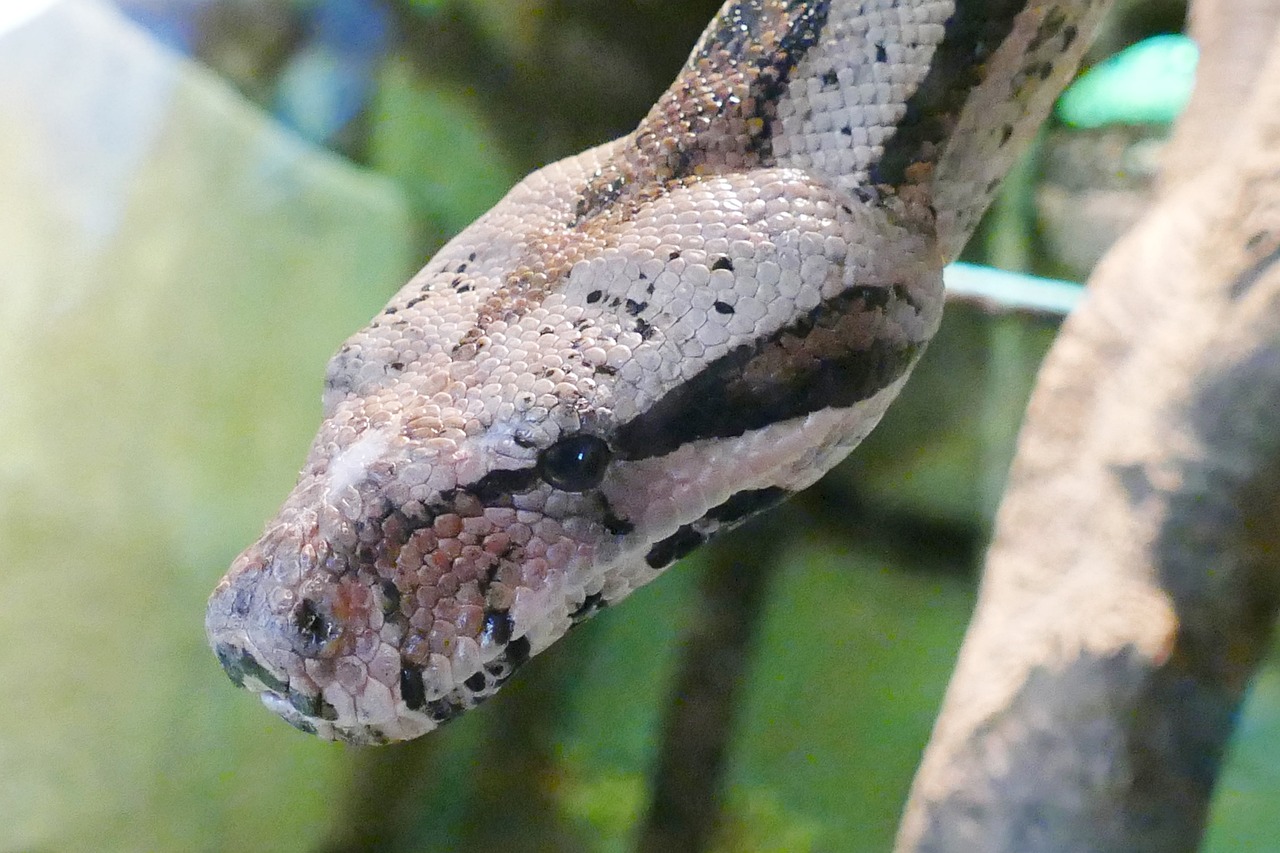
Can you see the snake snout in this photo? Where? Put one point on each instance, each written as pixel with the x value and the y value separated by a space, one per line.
pixel 240 666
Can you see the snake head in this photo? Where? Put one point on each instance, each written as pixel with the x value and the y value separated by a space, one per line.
pixel 416 565
pixel 517 442
pixel 637 348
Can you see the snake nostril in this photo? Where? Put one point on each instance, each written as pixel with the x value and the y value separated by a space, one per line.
pixel 240 602
pixel 315 631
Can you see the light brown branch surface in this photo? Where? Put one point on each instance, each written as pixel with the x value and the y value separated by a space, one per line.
pixel 1134 576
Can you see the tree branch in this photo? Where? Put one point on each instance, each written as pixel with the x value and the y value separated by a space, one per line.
pixel 1134 576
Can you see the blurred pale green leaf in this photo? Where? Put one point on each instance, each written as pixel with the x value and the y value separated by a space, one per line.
pixel 174 273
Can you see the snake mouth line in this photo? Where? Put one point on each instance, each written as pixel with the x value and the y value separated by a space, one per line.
pixel 241 667
pixel 289 712
pixel 301 710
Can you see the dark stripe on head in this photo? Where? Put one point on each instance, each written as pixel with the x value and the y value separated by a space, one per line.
pixel 762 41
pixel 723 103
pixel 502 483
pixel 834 356
pixel 972 33
pixel 805 23
pixel 761 34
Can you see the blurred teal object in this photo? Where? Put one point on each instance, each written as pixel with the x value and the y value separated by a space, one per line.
pixel 1146 83
pixel 1007 291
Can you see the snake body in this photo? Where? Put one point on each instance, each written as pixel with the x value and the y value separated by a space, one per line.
pixel 637 348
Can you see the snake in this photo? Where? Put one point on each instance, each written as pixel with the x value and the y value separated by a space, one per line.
pixel 636 349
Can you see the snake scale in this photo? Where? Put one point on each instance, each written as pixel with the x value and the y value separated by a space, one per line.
pixel 637 348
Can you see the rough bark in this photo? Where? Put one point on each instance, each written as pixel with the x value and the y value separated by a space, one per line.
pixel 1133 580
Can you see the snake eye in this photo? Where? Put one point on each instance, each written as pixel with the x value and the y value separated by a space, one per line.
pixel 576 463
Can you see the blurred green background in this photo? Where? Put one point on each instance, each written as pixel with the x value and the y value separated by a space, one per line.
pixel 202 199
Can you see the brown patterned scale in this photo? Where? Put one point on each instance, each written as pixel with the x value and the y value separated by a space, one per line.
pixel 638 347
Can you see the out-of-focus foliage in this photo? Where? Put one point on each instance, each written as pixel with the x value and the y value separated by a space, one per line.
pixel 413 120
pixel 174 270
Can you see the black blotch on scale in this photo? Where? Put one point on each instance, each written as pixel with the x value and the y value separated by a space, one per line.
pixel 1049 27
pixel 590 606
pixel 744 504
pixel 412 690
pixel 312 706
pixel 239 665
pixel 614 524
pixel 675 546
pixel 497 628
pixel 517 651
pixel 390 597
pixel 444 710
